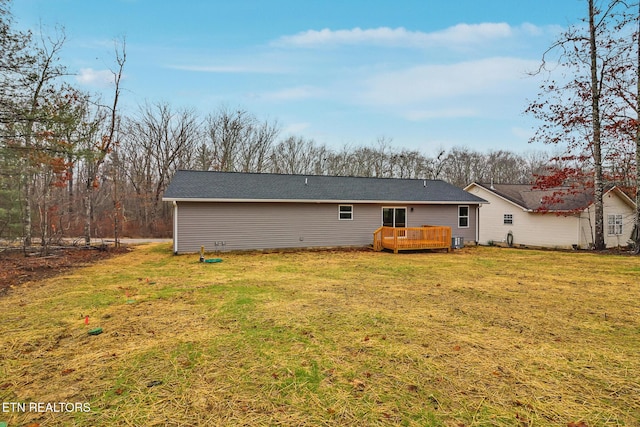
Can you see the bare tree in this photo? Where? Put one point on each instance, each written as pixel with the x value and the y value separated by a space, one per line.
pixel 103 146
pixel 154 145
pixel 225 133
pixel 636 236
pixel 433 165
pixel 463 166
pixel 16 60
pixel 294 155
pixel 254 151
pixel 582 112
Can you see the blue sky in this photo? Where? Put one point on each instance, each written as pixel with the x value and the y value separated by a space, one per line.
pixel 425 74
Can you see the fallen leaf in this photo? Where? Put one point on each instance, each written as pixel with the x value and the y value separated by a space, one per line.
pixel 523 404
pixel 360 385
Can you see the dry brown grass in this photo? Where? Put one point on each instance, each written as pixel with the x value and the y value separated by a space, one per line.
pixel 481 336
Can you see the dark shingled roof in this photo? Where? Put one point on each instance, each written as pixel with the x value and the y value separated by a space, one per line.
pixel 526 196
pixel 236 186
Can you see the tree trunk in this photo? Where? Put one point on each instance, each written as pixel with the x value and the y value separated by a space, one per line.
pixel 27 209
pixel 597 150
pixel 116 204
pixel 87 215
pixel 28 178
pixel 636 236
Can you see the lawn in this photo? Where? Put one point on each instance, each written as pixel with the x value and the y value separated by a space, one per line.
pixel 481 336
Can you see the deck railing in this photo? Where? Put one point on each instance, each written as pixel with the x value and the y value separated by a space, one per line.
pixel 412 238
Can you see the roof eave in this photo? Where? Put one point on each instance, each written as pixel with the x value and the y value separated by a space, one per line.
pixel 395 202
pixel 498 195
pixel 623 196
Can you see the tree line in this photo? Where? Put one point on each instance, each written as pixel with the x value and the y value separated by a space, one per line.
pixel 158 139
pixel 72 164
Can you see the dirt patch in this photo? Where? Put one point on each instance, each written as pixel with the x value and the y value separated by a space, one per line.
pixel 17 268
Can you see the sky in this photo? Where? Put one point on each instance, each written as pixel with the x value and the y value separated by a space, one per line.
pixel 426 75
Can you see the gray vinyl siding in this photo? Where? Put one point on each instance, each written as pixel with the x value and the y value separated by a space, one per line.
pixel 444 215
pixel 245 226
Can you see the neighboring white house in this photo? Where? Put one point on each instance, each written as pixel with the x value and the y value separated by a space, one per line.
pixel 516 215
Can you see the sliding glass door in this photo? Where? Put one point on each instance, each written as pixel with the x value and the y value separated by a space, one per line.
pixel 394 217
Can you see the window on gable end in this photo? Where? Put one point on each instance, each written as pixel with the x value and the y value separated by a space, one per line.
pixel 614 224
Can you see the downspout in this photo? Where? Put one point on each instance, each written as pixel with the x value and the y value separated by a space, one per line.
pixel 579 228
pixel 478 223
pixel 175 227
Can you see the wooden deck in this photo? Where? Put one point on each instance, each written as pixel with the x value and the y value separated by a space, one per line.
pixel 412 238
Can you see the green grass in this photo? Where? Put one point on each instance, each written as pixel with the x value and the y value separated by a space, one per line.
pixel 480 336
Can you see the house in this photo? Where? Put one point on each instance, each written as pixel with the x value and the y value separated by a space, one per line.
pixel 518 214
pixel 225 211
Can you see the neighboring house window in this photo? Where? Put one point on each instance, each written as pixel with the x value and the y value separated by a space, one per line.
pixel 463 216
pixel 508 219
pixel 345 212
pixel 615 224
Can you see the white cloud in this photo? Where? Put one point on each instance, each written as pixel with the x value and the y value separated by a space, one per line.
pixel 383 35
pixel 461 34
pixel 522 133
pixel 232 69
pixel 441 113
pixel 465 34
pixel 488 77
pixel 293 93
pixel 91 77
pixel 295 128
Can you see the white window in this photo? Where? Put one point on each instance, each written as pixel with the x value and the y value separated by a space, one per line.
pixel 614 224
pixel 508 219
pixel 345 212
pixel 463 216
